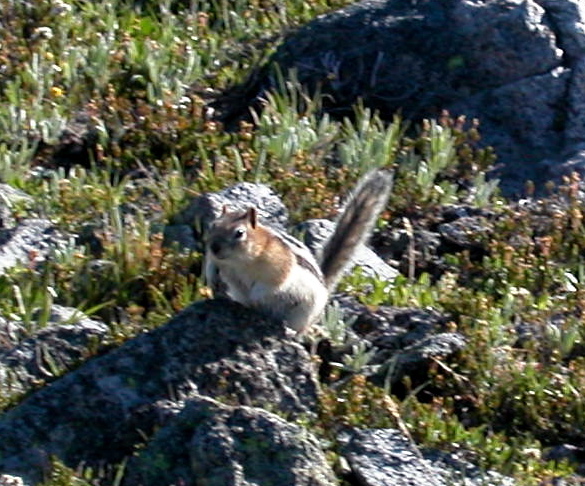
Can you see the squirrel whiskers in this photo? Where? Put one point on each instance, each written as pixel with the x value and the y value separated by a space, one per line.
pixel 275 273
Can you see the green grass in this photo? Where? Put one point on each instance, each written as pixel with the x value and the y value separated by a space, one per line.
pixel 138 79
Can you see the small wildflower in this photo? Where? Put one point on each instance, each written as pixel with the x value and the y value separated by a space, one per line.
pixel 202 20
pixel 43 33
pixel 60 8
pixel 211 127
pixel 206 292
pixel 57 92
pixel 544 244
pixel 135 310
pixel 184 102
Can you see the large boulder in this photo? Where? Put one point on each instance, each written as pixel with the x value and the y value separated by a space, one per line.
pixel 102 411
pixel 517 65
pixel 218 445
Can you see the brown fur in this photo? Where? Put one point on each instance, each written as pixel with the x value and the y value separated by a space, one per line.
pixel 262 248
pixel 275 273
pixel 268 249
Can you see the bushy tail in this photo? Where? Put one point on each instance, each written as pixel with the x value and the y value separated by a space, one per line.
pixel 355 223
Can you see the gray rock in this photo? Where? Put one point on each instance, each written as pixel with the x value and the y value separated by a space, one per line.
pixel 416 359
pixel 103 410
pixel 567 20
pixel 396 328
pixel 10 334
pixel 30 242
pixel 401 342
pixel 514 64
pixel 187 229
pixel 68 338
pixel 423 248
pixel 565 452
pixel 470 232
pixel 522 120
pixel 204 209
pixel 181 236
pixel 9 197
pixel 395 51
pixel 8 480
pixel 219 445
pixel 315 232
pixel 565 166
pixel 416 249
pixel 386 456
pixel 78 141
pixel 406 342
pixel 575 131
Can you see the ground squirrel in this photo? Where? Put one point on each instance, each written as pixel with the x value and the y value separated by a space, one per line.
pixel 275 273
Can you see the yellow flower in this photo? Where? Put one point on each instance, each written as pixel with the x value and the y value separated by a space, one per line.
pixel 56 92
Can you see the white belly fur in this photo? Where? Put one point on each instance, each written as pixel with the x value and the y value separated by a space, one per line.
pixel 299 300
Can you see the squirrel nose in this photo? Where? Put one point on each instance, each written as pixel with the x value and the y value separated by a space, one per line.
pixel 215 247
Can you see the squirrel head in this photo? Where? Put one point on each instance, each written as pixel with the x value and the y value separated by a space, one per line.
pixel 234 235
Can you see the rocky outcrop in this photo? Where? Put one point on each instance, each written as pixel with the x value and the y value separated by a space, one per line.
pixel 29 241
pixel 386 456
pixel 211 397
pixel 206 399
pixel 9 480
pixel 422 248
pixel 314 234
pixel 403 342
pixel 67 338
pixel 102 411
pixel 517 65
pixel 218 445
pixel 190 224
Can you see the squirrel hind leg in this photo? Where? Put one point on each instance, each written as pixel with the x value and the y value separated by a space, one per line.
pixel 298 312
pixel 301 317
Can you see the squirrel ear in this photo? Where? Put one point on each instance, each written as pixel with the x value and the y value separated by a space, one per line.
pixel 224 210
pixel 252 217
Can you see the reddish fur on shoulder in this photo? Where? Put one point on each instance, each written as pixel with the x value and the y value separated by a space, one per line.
pixel 273 256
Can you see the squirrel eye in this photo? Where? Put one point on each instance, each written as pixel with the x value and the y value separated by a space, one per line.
pixel 239 233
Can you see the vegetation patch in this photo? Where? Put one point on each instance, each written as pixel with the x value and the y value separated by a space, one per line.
pixel 105 122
